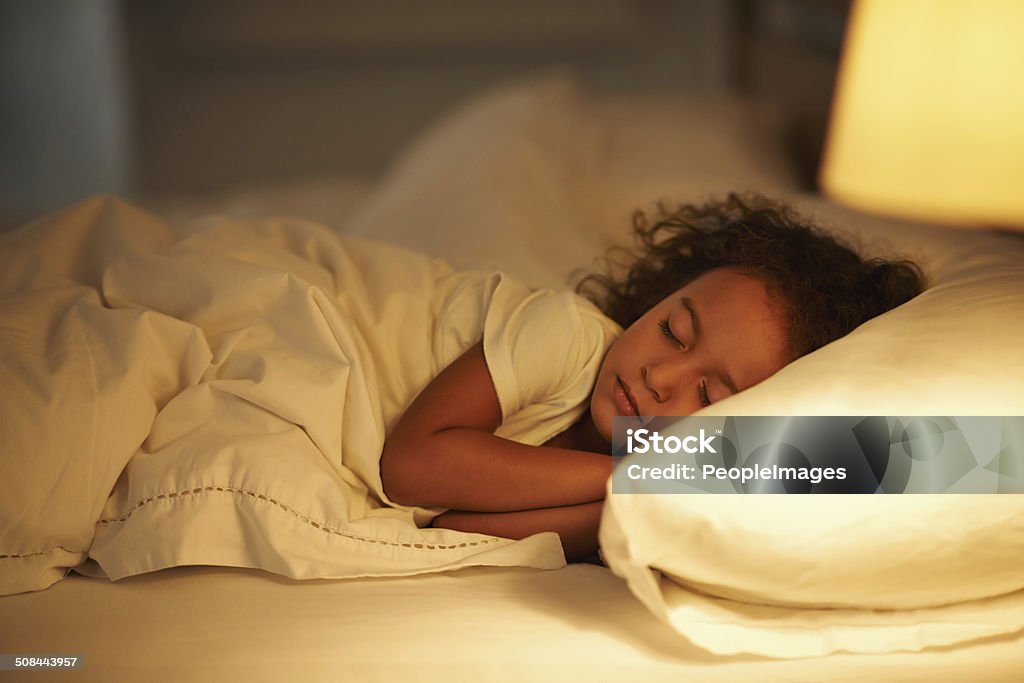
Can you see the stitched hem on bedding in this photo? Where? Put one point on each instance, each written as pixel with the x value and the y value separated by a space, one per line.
pixel 305 518
pixel 10 556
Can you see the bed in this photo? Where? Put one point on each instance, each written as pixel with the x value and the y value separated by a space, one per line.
pixel 549 175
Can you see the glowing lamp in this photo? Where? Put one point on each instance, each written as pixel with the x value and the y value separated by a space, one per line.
pixel 928 117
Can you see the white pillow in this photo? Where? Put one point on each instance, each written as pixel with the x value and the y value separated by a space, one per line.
pixel 538 178
pixel 954 350
pixel 492 185
pixel 681 148
pixel 797 545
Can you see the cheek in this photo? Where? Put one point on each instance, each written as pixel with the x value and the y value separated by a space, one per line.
pixel 603 425
pixel 601 409
pixel 609 366
pixel 599 406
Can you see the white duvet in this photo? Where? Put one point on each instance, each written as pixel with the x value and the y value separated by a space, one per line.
pixel 214 396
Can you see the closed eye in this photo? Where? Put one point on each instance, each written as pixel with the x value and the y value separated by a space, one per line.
pixel 702 394
pixel 667 331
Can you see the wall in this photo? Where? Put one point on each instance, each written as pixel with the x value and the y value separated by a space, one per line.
pixel 194 96
pixel 233 92
pixel 64 122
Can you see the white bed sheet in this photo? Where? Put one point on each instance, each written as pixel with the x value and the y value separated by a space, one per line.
pixel 480 624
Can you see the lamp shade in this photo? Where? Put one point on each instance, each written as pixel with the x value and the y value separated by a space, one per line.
pixel 928 116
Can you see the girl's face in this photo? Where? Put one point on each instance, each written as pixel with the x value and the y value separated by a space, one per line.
pixel 716 336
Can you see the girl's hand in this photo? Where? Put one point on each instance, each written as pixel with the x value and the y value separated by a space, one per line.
pixel 577 525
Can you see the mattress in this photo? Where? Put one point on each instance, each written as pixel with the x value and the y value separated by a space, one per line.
pixel 480 624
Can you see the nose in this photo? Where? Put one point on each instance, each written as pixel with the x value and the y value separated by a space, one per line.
pixel 668 380
pixel 657 380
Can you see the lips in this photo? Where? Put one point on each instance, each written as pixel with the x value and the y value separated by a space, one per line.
pixel 624 400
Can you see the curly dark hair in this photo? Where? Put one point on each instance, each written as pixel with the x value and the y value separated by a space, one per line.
pixel 822 287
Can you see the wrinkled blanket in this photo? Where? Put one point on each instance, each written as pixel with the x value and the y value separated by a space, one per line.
pixel 213 394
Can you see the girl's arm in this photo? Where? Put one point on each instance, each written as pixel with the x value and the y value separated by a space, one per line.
pixel 577 525
pixel 443 453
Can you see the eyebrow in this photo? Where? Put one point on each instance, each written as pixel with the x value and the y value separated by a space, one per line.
pixel 687 303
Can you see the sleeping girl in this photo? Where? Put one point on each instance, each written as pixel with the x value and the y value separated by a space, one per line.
pixel 513 437
pixel 268 394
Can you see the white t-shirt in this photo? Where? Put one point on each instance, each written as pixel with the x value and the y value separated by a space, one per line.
pixel 543 350
pixel 543 347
